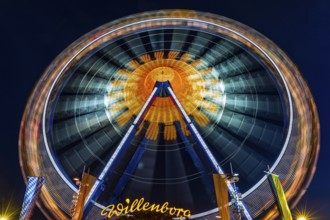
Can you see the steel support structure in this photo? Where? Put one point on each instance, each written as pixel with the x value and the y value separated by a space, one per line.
pixel 96 189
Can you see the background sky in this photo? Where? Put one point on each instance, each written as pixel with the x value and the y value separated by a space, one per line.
pixel 33 33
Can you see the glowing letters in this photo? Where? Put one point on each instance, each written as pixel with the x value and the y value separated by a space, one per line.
pixel 139 205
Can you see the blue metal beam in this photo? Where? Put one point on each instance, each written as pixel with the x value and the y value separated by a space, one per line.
pixel 121 148
pixel 128 171
pixel 205 149
pixel 190 149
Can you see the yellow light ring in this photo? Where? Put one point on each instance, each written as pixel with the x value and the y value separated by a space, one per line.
pixel 186 80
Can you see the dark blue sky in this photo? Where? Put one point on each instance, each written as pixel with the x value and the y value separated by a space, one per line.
pixel 34 32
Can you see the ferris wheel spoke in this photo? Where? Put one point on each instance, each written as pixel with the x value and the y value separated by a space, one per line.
pixel 168 36
pixel 145 38
pixel 211 44
pixel 124 179
pixel 263 106
pixel 187 43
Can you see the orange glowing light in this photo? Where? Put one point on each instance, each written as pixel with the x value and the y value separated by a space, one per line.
pixel 187 81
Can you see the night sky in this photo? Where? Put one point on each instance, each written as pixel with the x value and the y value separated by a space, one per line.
pixel 33 33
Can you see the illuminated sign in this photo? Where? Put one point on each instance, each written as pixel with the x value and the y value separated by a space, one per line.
pixel 139 205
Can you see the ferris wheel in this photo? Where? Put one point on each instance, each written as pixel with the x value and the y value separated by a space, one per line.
pixel 154 103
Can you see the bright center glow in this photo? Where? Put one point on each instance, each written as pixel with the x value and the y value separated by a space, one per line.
pixel 299 218
pixel 3 218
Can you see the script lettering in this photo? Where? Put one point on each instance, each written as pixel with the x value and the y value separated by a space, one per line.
pixel 139 205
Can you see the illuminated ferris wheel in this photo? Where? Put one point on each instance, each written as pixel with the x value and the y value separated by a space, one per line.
pixel 153 104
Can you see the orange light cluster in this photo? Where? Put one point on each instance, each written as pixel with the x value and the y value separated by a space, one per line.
pixel 187 82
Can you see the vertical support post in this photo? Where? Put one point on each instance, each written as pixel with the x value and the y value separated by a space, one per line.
pixel 221 192
pixel 84 188
pixel 32 192
pixel 278 191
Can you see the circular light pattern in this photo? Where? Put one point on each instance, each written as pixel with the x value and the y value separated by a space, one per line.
pixel 187 82
pixel 246 98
